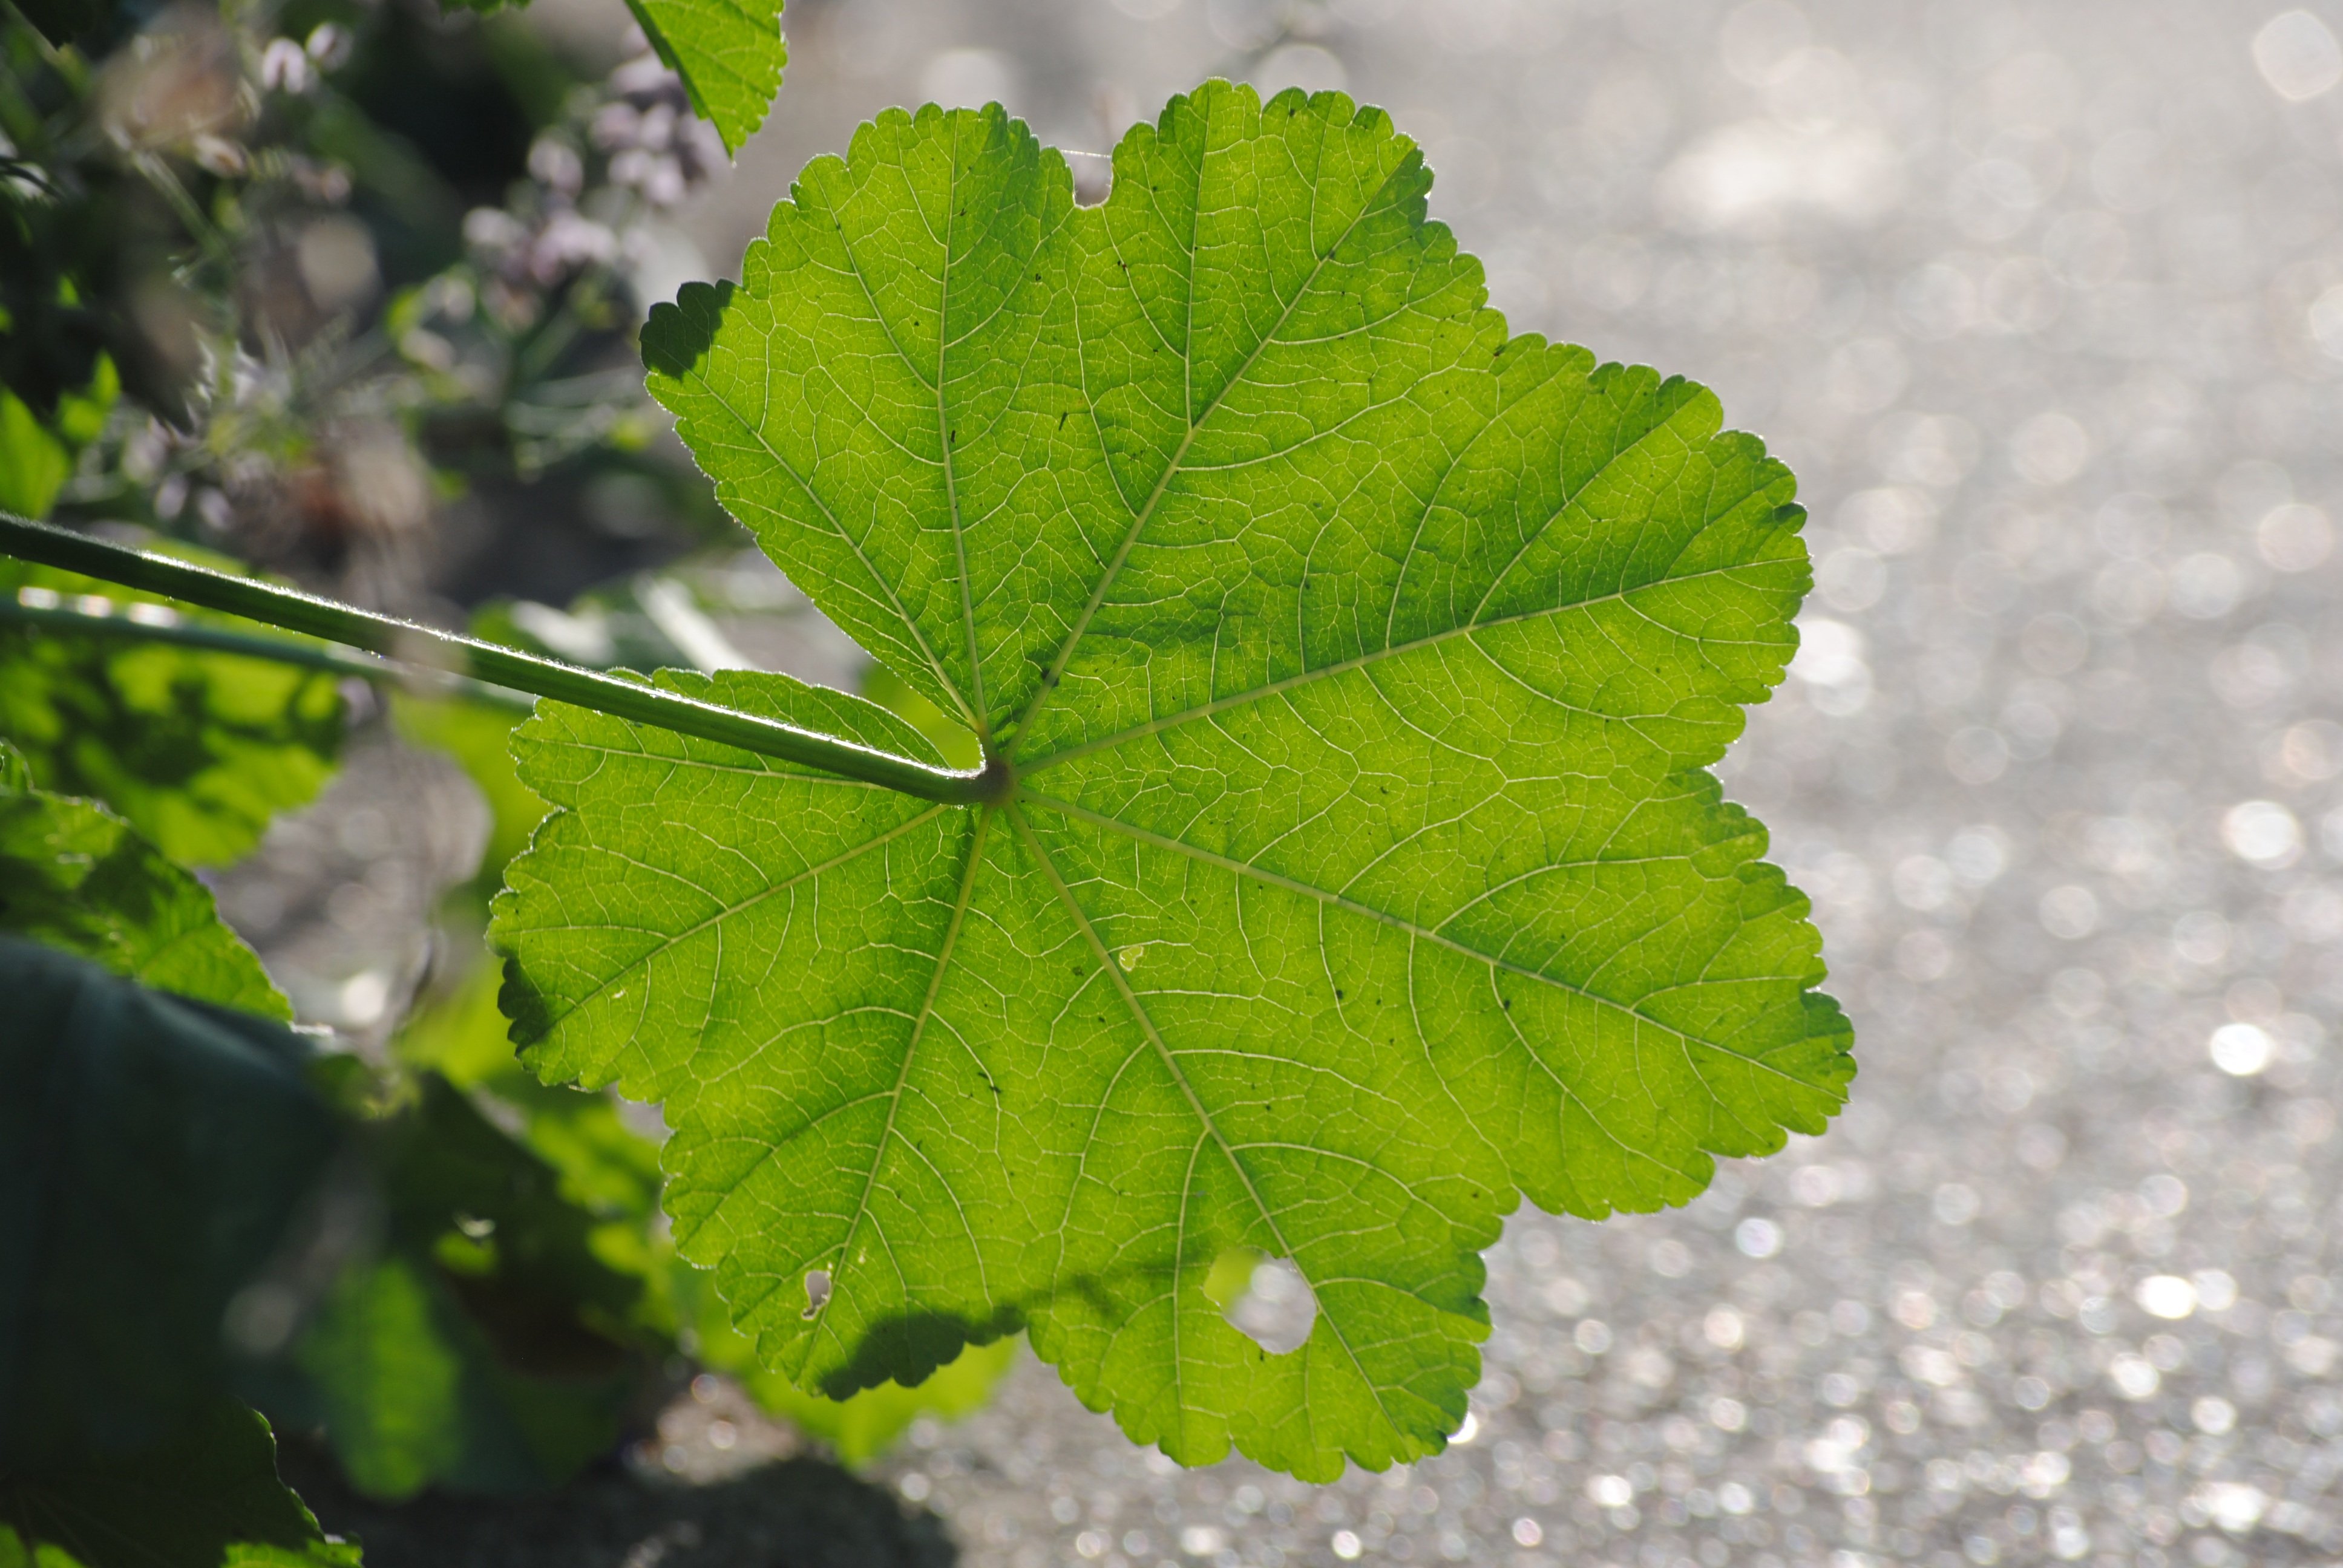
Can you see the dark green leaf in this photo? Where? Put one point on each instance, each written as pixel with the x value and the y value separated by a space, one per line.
pixel 208 1498
pixel 152 1150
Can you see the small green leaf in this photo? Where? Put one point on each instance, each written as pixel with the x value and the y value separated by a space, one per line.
pixel 152 1152
pixel 207 1498
pixel 198 750
pixel 387 1384
pixel 35 461
pixel 37 454
pixel 76 876
pixel 1356 668
pixel 82 415
pixel 730 53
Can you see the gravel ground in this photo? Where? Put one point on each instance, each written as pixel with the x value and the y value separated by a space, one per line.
pixel 2043 299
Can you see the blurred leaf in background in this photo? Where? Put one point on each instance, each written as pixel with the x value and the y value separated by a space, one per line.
pixel 209 1498
pixel 482 1346
pixel 37 455
pixel 153 1151
pixel 77 877
pixel 862 1426
pixel 197 748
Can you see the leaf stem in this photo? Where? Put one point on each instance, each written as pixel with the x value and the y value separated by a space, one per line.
pixel 503 667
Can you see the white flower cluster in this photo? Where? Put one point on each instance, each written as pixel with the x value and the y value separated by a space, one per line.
pixel 287 67
pixel 655 144
pixel 655 152
pixel 561 242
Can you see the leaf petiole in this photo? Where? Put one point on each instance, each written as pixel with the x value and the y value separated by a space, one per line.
pixel 430 649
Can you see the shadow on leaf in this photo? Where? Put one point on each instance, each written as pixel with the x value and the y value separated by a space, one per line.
pixel 678 335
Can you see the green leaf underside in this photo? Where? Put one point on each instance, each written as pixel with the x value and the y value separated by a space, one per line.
pixel 730 53
pixel 1360 667
pixel 76 876
pixel 197 749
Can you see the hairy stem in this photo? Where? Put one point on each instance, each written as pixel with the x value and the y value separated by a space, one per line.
pixel 501 667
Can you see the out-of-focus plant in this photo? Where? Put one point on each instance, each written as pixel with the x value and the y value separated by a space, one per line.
pixel 284 277
pixel 478 1291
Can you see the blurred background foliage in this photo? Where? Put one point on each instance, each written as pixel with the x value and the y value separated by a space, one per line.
pixel 324 284
pixel 346 292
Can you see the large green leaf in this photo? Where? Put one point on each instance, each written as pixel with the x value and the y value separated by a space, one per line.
pixel 77 876
pixel 1357 667
pixel 207 1498
pixel 152 1152
pixel 197 748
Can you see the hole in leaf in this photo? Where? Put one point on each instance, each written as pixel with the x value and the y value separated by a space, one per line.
pixel 1265 1298
pixel 816 1291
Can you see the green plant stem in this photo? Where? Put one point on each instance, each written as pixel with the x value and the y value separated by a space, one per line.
pixel 278 650
pixel 503 667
